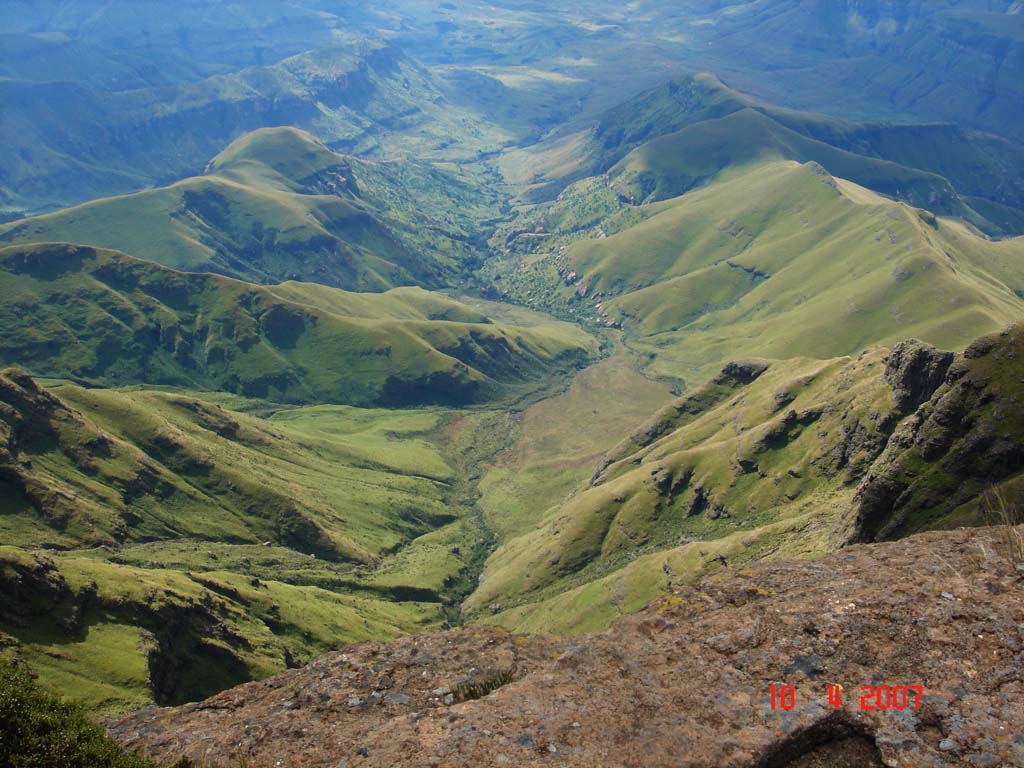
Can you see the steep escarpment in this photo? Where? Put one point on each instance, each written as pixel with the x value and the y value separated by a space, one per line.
pixel 771 460
pixel 688 678
pixel 961 455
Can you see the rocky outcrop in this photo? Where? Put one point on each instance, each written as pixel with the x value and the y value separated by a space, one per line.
pixel 965 439
pixel 683 683
pixel 949 432
pixel 191 651
pixel 914 371
pixel 27 421
pixel 32 586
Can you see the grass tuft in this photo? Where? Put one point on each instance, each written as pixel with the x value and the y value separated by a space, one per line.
pixel 1004 518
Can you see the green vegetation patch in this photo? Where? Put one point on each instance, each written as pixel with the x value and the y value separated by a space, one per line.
pixel 278 205
pixel 104 318
pixel 760 445
pixel 37 730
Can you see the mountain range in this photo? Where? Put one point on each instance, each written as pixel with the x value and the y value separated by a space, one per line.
pixel 118 141
pixel 413 327
pixel 277 205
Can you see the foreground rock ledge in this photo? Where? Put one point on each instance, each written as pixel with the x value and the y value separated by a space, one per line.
pixel 683 683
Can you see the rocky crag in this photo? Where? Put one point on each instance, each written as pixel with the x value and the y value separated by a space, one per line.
pixel 683 683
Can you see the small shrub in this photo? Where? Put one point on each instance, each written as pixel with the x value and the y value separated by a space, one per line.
pixel 469 690
pixel 38 730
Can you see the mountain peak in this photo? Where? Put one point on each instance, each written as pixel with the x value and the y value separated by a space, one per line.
pixel 290 152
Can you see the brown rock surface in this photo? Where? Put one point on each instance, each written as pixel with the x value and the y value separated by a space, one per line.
pixel 683 683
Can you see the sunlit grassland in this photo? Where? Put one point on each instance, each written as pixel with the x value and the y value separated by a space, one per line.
pixel 743 470
pixel 559 441
pixel 784 260
pixel 202 546
pixel 276 205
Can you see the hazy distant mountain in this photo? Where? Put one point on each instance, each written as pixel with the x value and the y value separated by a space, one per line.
pixel 65 141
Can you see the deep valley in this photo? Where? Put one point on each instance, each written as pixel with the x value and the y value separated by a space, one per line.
pixel 442 383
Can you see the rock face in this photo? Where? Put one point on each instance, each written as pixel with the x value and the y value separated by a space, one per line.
pixel 683 683
pixel 964 438
pixel 914 371
pixel 27 413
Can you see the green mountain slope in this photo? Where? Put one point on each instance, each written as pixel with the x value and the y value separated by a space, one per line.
pixel 158 546
pixel 278 205
pixel 674 164
pixel 90 467
pixel 676 136
pixel 784 260
pixel 770 459
pixel 105 318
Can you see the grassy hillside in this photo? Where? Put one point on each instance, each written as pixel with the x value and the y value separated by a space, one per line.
pixel 702 237
pixel 102 467
pixel 105 318
pixel 160 547
pixel 786 459
pixel 276 205
pixel 671 165
pixel 679 135
pixel 713 464
pixel 780 259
